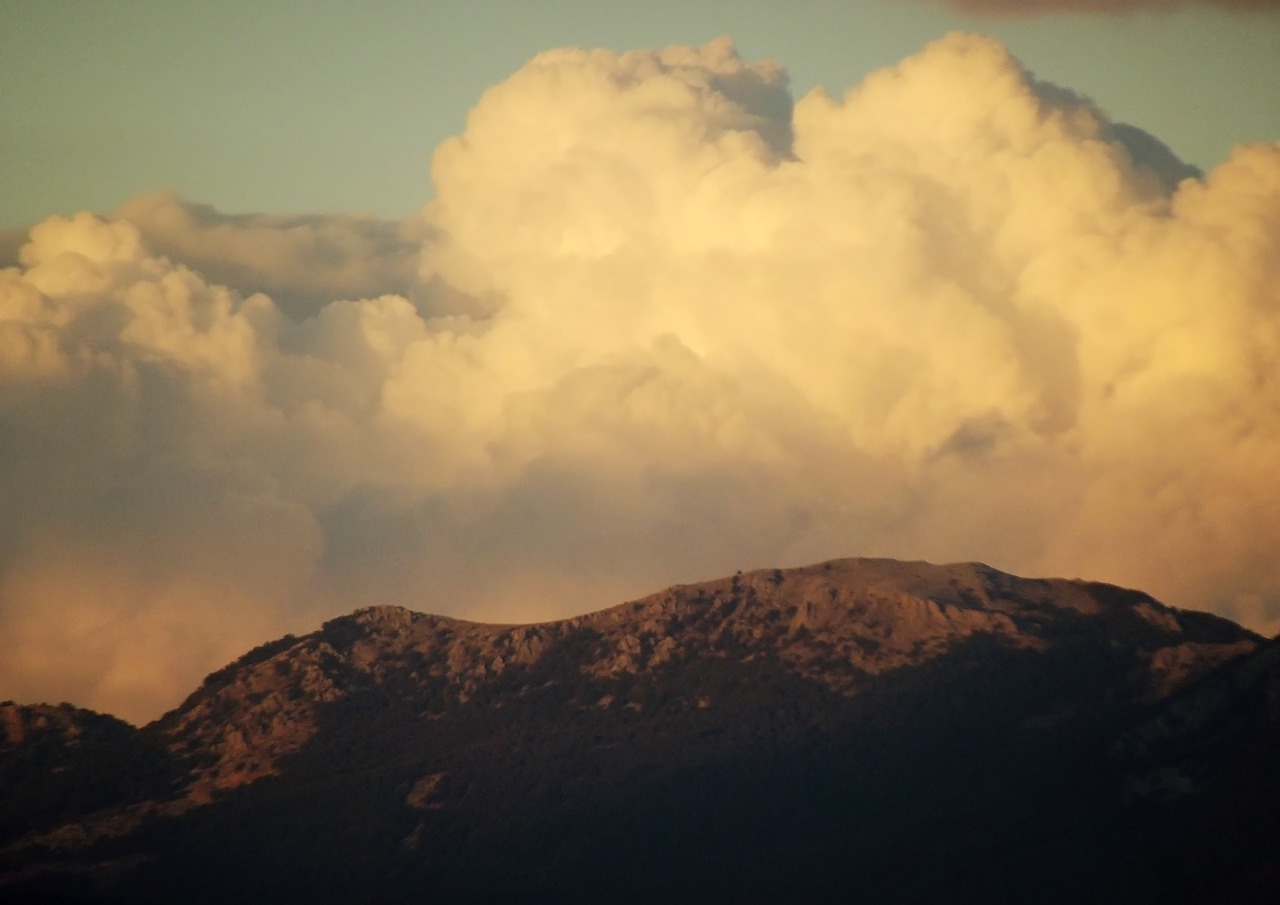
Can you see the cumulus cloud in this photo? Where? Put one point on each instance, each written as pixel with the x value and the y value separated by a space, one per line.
pixel 302 262
pixel 11 241
pixel 1106 7
pixel 660 323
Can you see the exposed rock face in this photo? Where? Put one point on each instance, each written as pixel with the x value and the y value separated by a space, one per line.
pixel 1229 713
pixel 21 724
pixel 564 743
pixel 235 731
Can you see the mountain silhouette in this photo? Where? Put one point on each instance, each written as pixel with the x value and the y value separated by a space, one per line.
pixel 856 730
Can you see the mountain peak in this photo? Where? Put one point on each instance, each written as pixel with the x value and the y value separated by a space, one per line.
pixel 665 698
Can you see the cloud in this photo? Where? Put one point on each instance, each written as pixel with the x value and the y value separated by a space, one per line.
pixel 302 262
pixel 659 323
pixel 1108 7
pixel 11 240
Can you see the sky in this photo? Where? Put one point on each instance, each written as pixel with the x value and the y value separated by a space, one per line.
pixel 512 311
pixel 299 107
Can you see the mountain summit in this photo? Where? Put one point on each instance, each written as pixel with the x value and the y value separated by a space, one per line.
pixel 857 729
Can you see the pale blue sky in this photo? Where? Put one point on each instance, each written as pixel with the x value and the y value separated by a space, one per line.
pixel 289 106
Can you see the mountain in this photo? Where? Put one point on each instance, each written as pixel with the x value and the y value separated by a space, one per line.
pixel 857 730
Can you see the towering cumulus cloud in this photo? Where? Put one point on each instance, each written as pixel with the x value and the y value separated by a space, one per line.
pixel 658 324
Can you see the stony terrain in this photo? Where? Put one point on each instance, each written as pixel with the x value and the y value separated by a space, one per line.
pixel 834 712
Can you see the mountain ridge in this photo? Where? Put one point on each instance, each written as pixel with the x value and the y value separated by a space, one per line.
pixel 892 623
pixel 657 712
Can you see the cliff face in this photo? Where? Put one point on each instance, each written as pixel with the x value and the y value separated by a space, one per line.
pixel 841 715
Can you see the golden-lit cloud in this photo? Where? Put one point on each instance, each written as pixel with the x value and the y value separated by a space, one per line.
pixel 302 262
pixel 659 323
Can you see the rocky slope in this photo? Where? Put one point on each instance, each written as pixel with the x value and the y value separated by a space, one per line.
pixel 776 733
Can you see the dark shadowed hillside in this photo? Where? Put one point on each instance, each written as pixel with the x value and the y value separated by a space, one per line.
pixel 860 730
